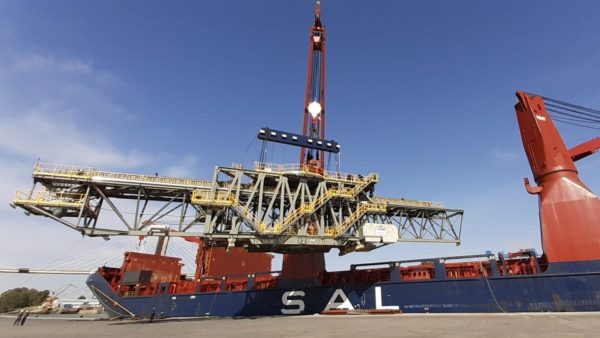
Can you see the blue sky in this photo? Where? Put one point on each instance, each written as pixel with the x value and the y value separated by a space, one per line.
pixel 421 92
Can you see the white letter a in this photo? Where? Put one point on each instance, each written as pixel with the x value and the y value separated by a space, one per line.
pixel 344 304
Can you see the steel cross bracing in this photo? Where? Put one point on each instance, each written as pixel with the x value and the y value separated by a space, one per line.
pixel 279 208
pixel 75 196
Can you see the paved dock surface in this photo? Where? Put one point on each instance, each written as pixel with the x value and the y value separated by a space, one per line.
pixel 403 325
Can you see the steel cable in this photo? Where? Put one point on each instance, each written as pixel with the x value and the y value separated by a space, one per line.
pixel 593 116
pixel 579 118
pixel 574 106
pixel 571 114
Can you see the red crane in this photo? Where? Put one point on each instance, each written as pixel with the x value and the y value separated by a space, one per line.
pixel 314 102
pixel 569 210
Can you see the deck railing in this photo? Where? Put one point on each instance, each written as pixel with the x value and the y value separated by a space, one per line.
pixel 48 198
pixel 409 203
pixel 305 168
pixel 88 173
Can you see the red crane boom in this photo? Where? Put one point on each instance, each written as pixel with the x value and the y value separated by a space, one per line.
pixel 314 102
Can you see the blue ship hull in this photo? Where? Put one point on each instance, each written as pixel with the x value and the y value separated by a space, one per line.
pixel 570 286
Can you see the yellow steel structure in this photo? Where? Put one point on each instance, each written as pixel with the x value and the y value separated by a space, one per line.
pixel 67 172
pixel 270 207
pixel 50 199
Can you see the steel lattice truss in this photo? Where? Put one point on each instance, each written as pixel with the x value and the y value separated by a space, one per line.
pixel 276 208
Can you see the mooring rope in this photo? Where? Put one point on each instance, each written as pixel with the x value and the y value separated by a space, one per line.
pixel 485 277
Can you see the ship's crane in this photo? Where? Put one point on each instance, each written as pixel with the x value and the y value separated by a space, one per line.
pixel 268 207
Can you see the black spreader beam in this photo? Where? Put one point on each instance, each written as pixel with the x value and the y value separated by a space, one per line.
pixel 298 140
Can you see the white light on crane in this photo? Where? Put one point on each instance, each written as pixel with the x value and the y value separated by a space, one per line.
pixel 314 108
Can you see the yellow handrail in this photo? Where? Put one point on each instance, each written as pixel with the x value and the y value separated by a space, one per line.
pixel 310 207
pixel 405 202
pixel 248 215
pixel 362 209
pixel 296 168
pixel 89 173
pixel 317 203
pixel 48 198
pixel 204 197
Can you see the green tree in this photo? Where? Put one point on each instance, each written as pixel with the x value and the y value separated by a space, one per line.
pixel 21 297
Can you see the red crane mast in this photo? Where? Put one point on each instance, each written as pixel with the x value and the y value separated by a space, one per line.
pixel 314 102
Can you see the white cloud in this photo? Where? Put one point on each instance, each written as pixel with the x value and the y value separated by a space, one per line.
pixel 27 64
pixel 60 110
pixel 500 155
pixel 15 174
pixel 77 66
pixel 36 135
pixel 38 64
pixel 183 168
